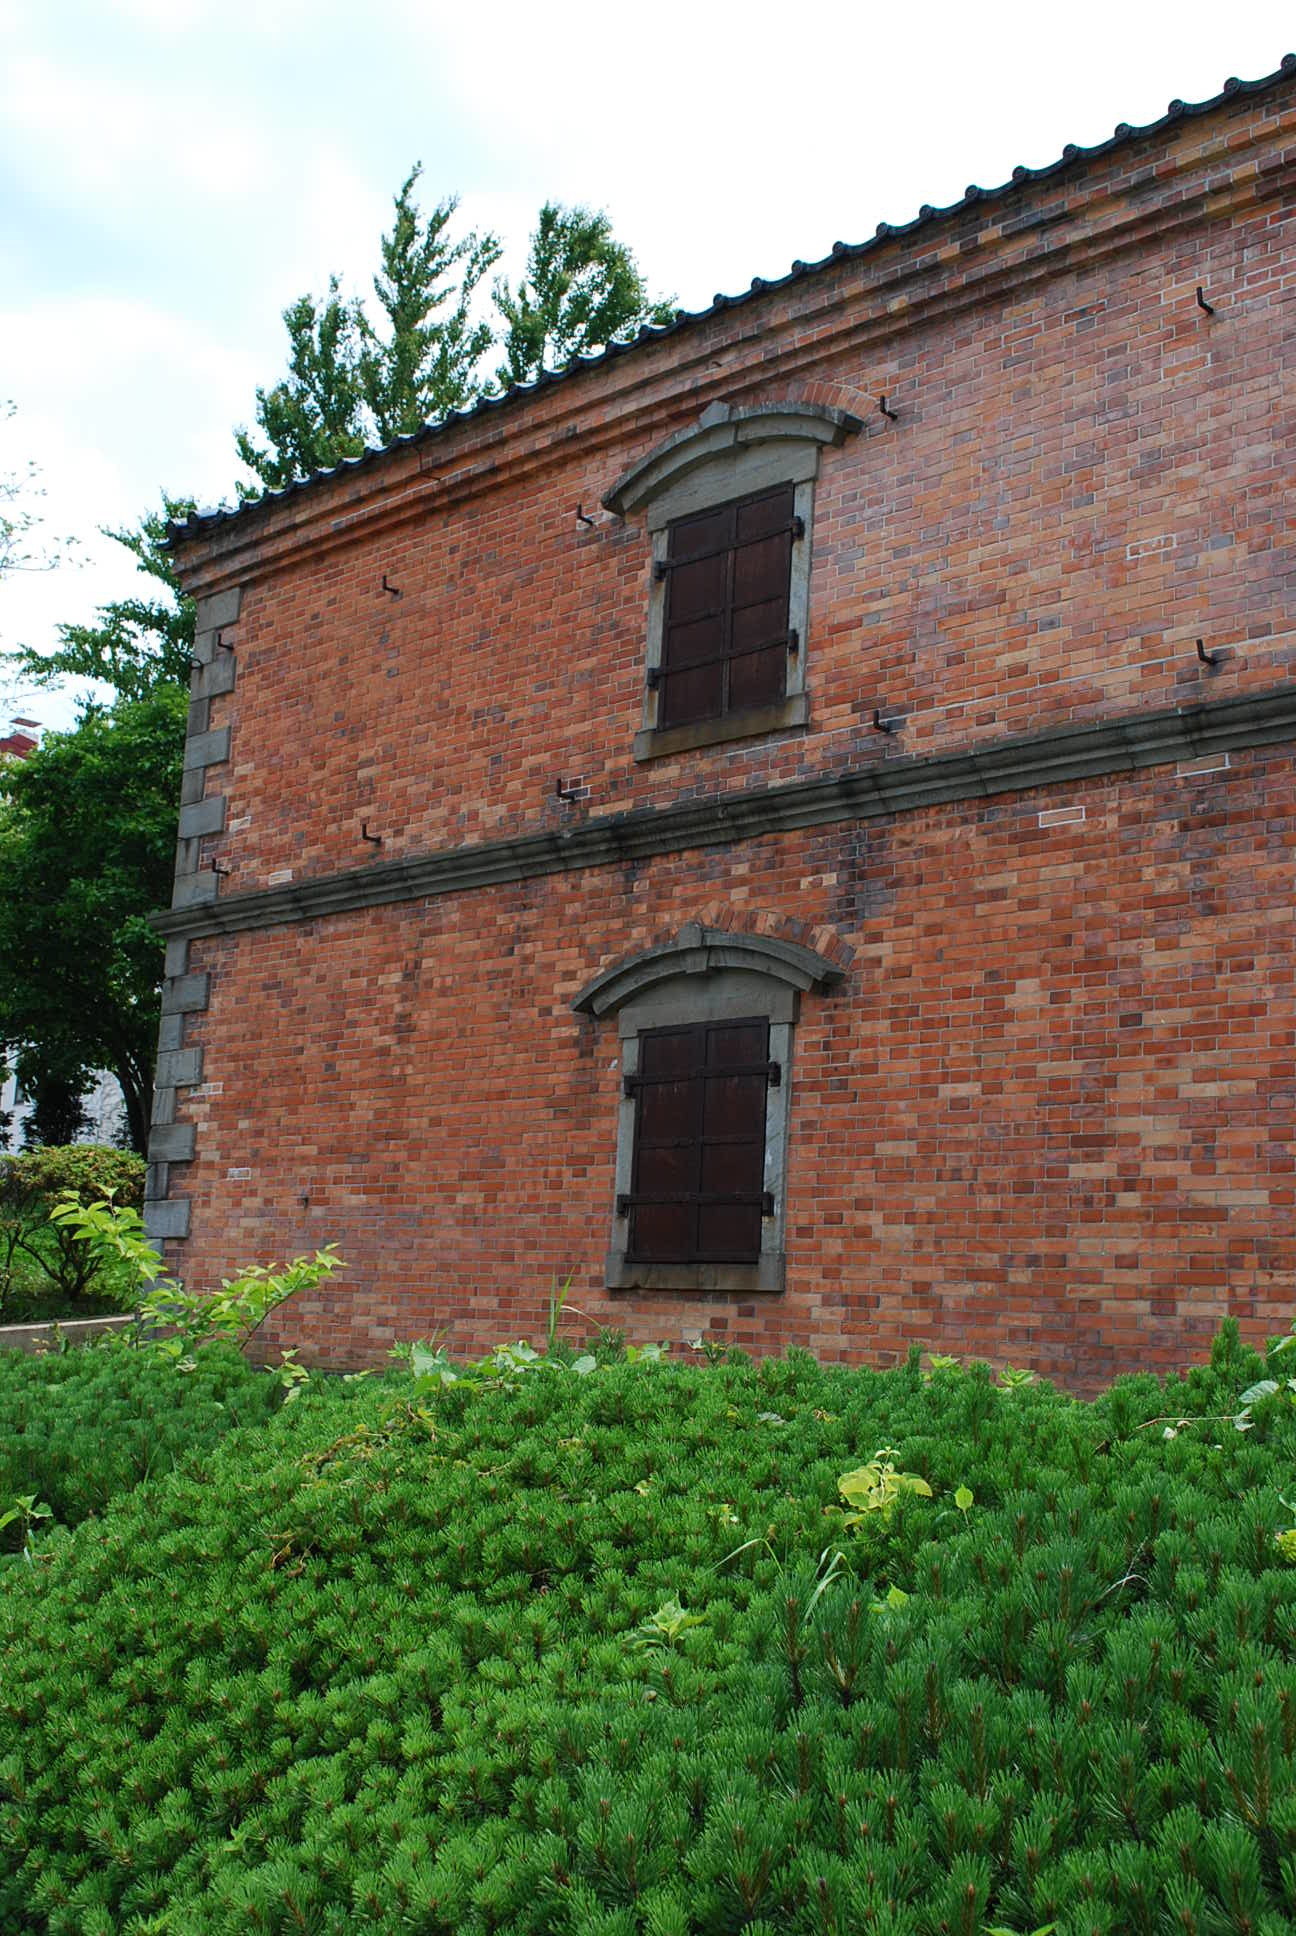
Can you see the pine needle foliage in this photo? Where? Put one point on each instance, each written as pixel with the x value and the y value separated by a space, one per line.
pixel 78 1428
pixel 573 1653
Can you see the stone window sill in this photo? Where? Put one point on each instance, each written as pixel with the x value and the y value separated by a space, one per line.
pixel 729 1279
pixel 654 743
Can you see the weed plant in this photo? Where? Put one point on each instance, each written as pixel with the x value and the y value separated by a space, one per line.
pixel 608 1652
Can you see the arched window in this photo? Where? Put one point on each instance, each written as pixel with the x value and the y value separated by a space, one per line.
pixel 706 1024
pixel 729 505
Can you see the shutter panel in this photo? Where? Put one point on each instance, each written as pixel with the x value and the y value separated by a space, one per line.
pixel 762 569
pixel 699 1160
pixel 733 1141
pixel 668 1122
pixel 725 636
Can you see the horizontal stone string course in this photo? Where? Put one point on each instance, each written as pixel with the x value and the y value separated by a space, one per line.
pixel 895 786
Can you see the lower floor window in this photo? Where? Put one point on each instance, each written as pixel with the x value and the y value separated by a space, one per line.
pixel 705 1023
pixel 698 1189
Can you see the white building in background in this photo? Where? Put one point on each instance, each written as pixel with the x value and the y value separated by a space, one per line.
pixel 105 1111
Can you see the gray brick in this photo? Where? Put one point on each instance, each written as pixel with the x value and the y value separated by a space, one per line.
pixel 219 608
pixel 215 678
pixel 170 1032
pixel 172 1143
pixel 207 749
pixel 195 890
pixel 179 1068
pixel 168 1218
pixel 186 994
pixel 164 1105
pixel 188 855
pixel 206 816
pixel 177 956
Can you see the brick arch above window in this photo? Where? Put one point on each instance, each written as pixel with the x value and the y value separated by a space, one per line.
pixel 700 951
pixel 706 1024
pixel 739 443
pixel 729 505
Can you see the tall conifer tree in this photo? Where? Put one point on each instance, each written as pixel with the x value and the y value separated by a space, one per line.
pixel 582 288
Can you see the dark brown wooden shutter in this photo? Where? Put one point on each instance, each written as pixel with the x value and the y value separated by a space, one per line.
pixel 725 638
pixel 699 1164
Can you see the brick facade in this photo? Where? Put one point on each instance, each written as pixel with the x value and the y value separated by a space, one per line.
pixel 1045 1116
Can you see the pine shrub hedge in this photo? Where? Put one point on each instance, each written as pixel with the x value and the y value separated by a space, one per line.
pixel 80 1427
pixel 571 1654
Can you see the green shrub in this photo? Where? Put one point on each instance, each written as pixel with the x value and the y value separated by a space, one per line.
pixel 41 1261
pixel 540 1650
pixel 78 1428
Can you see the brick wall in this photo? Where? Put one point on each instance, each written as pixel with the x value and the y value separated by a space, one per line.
pixel 1045 1118
pixel 1047 1115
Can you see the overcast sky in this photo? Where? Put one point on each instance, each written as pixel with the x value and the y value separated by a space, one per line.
pixel 174 172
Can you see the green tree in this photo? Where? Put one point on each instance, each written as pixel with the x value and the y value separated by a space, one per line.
pixel 87 846
pixel 313 417
pixel 582 288
pixel 134 644
pixel 58 1112
pixel 425 363
pixel 351 382
pixel 87 843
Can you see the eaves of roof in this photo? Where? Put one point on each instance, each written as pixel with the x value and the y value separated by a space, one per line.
pixel 886 232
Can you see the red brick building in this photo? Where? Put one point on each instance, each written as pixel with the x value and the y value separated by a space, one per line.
pixel 789 821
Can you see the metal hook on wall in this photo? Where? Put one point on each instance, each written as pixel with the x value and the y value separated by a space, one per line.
pixel 881 725
pixel 583 516
pixel 393 591
pixel 1202 302
pixel 1207 658
pixel 882 406
pixel 375 840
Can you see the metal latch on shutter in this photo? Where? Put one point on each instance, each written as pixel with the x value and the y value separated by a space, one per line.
pixel 772 1072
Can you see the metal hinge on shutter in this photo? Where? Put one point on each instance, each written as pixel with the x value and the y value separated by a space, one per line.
pixel 663 567
pixel 656 675
pixel 627 1200
pixel 772 1072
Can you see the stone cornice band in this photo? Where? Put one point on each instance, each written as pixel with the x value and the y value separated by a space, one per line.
pixel 893 786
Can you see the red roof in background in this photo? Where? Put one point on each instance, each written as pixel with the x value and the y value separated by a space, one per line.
pixel 17 746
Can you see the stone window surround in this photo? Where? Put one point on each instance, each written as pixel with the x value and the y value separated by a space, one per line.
pixel 707 975
pixel 730 453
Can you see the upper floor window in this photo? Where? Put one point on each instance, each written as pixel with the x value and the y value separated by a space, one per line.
pixel 726 639
pixel 729 505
